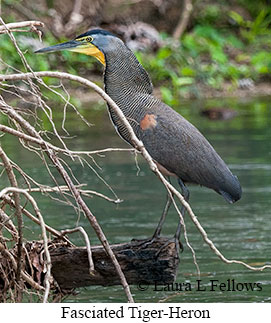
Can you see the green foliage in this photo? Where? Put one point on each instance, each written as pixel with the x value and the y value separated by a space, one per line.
pixel 262 62
pixel 211 56
pixel 250 30
pixel 60 61
pixel 210 14
pixel 211 53
pixel 40 62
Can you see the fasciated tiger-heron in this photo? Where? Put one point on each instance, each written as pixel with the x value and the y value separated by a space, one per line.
pixel 177 147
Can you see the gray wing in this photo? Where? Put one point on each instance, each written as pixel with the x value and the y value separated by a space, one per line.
pixel 179 147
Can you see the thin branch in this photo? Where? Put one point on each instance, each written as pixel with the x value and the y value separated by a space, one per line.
pixel 44 143
pixel 5 221
pixel 18 213
pixel 14 26
pixel 61 188
pixel 85 236
pixel 24 275
pixel 47 278
pixel 56 233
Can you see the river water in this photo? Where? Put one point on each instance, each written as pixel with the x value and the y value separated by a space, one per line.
pixel 240 231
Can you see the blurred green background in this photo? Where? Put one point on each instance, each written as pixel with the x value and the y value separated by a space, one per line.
pixel 224 42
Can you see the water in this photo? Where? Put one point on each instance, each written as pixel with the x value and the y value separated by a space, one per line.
pixel 240 231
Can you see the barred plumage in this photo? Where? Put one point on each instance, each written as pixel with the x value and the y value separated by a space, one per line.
pixel 174 142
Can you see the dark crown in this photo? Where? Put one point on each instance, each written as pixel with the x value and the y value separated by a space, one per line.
pixel 96 32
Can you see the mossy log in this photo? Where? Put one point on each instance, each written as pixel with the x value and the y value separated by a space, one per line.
pixel 156 261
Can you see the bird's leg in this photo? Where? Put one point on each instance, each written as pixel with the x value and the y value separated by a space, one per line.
pixel 158 230
pixel 176 238
pixel 185 194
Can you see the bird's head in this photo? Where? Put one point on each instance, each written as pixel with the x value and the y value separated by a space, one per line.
pixel 93 42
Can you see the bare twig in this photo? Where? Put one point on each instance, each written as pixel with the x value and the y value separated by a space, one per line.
pixel 7 190
pixel 94 223
pixel 28 138
pixel 16 26
pixel 5 221
pixel 18 212
pixel 87 193
pixel 85 236
pixel 56 233
pixel 24 275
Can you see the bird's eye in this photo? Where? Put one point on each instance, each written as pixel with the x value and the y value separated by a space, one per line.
pixel 89 39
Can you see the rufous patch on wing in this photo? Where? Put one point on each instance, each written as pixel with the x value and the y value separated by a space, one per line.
pixel 148 122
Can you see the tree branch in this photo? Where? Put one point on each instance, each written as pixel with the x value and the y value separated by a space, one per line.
pixel 22 24
pixel 4 192
pixel 18 213
pixel 184 19
pixel 85 236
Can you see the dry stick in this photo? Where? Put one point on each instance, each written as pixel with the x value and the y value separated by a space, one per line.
pixel 85 236
pixel 92 219
pixel 42 104
pixel 56 233
pixel 4 192
pixel 18 213
pixel 139 146
pixel 8 224
pixel 22 24
pixel 24 275
pixel 46 144
pixel 26 137
pixel 61 188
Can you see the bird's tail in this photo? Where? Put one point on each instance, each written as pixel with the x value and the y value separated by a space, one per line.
pixel 233 192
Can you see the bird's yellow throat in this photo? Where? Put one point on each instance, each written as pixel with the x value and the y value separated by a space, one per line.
pixel 90 50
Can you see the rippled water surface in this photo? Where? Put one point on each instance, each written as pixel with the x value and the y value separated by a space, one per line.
pixel 240 231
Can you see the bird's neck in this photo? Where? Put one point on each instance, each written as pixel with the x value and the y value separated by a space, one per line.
pixel 124 77
pixel 129 85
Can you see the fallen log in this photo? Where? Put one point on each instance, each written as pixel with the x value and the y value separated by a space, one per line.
pixel 140 260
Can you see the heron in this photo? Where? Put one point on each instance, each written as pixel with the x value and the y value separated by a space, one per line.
pixel 175 145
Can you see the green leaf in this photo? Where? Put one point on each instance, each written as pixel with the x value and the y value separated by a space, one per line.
pixel 237 18
pixel 166 94
pixel 181 81
pixel 187 71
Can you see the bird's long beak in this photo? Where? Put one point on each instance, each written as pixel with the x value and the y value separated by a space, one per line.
pixel 75 46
